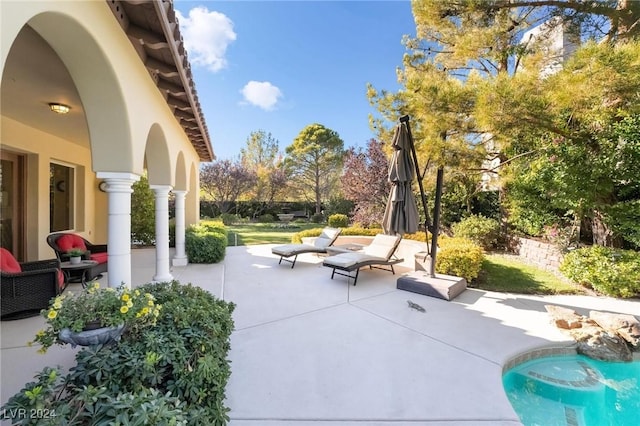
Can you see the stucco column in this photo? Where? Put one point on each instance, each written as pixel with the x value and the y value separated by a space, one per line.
pixel 119 190
pixel 163 272
pixel 180 258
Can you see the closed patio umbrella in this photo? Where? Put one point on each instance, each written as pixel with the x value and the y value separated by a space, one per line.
pixel 401 212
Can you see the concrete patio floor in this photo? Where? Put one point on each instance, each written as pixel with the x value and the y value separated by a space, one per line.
pixel 311 350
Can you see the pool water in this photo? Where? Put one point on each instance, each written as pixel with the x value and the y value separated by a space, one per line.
pixel 574 390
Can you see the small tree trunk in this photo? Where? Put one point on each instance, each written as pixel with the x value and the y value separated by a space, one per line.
pixel 602 234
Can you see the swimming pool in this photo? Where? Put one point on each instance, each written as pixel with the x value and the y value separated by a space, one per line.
pixel 574 390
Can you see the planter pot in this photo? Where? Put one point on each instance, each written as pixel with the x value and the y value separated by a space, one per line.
pixel 75 260
pixel 98 336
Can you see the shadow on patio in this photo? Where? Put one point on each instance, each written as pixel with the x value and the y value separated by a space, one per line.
pixel 308 349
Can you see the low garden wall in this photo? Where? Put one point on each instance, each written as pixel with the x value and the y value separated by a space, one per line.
pixel 539 253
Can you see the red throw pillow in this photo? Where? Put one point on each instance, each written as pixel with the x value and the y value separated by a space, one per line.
pixel 61 282
pixel 70 241
pixel 8 263
pixel 100 257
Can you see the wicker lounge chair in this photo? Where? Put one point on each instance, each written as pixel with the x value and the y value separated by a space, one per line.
pixel 379 254
pixel 62 242
pixel 26 288
pixel 326 239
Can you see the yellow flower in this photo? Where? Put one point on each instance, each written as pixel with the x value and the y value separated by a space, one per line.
pixel 40 333
pixel 57 304
pixel 52 314
pixel 129 304
pixel 150 303
pixel 125 297
pixel 124 309
pixel 136 293
pixel 145 311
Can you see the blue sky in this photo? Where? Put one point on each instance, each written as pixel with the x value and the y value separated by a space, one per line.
pixel 279 66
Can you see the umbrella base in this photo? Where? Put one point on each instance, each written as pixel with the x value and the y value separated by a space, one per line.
pixel 445 287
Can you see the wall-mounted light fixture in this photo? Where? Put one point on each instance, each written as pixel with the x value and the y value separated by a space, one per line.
pixel 59 108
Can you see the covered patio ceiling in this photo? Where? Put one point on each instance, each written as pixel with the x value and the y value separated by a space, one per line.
pixel 34 75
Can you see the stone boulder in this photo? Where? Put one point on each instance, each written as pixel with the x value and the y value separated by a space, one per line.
pixel 606 343
pixel 627 326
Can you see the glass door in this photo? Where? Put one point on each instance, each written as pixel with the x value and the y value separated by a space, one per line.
pixel 12 194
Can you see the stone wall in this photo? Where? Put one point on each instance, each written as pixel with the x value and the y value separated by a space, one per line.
pixel 543 255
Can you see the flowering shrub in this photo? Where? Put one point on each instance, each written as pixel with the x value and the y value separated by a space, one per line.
pixel 459 257
pixel 610 271
pixel 479 229
pixel 107 307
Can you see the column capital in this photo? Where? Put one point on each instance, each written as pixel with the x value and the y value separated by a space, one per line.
pixel 179 192
pixel 118 182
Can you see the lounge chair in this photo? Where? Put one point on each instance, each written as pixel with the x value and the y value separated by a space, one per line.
pixel 326 239
pixel 379 254
pixel 62 242
pixel 27 287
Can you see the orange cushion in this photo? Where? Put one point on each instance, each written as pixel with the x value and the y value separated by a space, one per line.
pixel 8 263
pixel 99 257
pixel 70 241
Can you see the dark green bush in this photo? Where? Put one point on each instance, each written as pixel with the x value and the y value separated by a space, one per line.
pixel 609 271
pixel 172 233
pixel 266 218
pixel 173 373
pixel 143 213
pixel 339 220
pixel 228 218
pixel 205 243
pixel 317 218
pixel 479 229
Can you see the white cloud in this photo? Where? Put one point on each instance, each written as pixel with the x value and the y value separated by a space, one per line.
pixel 261 94
pixel 206 37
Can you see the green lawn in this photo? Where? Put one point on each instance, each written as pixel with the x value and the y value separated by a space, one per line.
pixel 506 273
pixel 265 233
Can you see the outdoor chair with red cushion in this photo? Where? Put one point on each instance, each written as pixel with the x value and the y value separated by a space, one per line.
pixel 62 242
pixel 27 287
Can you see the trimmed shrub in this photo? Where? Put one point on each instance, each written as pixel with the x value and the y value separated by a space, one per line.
pixel 339 220
pixel 613 272
pixel 205 243
pixel 479 229
pixel 228 218
pixel 174 373
pixel 317 218
pixel 266 218
pixel 460 257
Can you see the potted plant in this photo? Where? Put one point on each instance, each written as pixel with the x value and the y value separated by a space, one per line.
pixel 96 315
pixel 75 255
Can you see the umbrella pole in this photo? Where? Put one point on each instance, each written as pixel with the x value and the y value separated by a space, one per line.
pixel 436 221
pixel 405 119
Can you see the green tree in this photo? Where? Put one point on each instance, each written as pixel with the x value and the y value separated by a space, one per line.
pixel 468 76
pixel 143 212
pixel 260 156
pixel 314 162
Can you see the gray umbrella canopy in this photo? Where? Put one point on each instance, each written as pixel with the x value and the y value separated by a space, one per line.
pixel 401 212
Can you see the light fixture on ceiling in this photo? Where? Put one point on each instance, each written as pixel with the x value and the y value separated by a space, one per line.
pixel 59 108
